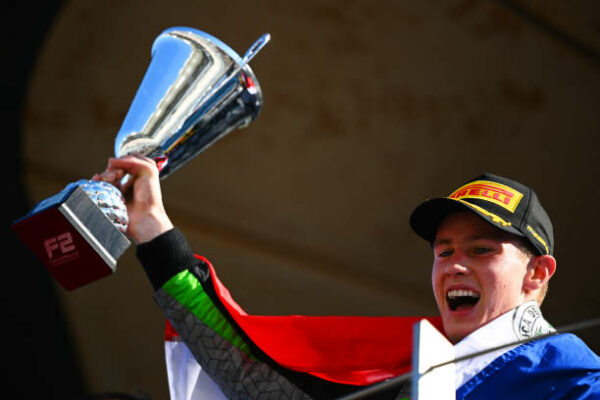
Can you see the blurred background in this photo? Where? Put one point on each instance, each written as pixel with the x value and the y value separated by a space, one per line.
pixel 370 107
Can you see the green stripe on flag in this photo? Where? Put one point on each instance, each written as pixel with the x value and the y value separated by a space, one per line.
pixel 188 291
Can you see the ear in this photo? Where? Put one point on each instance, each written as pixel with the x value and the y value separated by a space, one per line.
pixel 539 272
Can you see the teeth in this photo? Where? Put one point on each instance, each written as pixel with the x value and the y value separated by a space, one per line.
pixel 462 293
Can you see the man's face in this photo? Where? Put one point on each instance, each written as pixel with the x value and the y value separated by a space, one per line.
pixel 478 273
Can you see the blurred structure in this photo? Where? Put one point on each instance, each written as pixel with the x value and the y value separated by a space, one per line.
pixel 370 107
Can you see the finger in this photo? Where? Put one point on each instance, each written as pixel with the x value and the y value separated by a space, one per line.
pixel 110 175
pixel 133 164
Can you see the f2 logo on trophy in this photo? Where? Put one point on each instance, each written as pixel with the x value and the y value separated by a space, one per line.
pixel 62 243
pixel 195 91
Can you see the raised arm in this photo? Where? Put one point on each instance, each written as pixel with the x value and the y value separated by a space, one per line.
pixel 184 290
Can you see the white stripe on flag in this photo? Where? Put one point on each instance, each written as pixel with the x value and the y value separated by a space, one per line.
pixel 187 380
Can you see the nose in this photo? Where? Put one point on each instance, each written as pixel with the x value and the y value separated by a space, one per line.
pixel 457 265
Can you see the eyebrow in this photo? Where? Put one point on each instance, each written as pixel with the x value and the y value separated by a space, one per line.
pixel 472 238
pixel 441 242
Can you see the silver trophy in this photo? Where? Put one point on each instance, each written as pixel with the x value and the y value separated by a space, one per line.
pixel 195 91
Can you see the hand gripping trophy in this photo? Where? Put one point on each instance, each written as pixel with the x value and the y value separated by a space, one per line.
pixel 195 90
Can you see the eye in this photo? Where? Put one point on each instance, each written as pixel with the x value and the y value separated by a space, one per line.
pixel 482 250
pixel 444 253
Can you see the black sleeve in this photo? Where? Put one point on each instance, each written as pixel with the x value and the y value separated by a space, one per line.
pixel 165 256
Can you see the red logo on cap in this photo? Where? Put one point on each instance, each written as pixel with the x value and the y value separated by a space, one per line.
pixel 501 195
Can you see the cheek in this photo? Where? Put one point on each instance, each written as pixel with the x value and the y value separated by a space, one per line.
pixel 433 276
pixel 502 285
pixel 492 281
pixel 436 280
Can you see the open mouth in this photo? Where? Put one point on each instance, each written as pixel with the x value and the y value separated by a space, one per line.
pixel 460 299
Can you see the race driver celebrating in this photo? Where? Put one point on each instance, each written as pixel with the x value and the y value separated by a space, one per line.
pixel 492 243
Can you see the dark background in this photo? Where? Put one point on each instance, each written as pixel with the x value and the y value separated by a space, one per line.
pixel 369 108
pixel 39 359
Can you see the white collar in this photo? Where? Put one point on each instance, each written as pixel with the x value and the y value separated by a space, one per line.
pixel 517 324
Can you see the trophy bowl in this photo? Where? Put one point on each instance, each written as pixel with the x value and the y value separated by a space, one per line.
pixel 195 91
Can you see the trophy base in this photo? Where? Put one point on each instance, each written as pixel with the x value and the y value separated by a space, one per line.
pixel 73 238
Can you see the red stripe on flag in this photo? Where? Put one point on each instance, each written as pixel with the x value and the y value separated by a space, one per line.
pixel 171 334
pixel 351 350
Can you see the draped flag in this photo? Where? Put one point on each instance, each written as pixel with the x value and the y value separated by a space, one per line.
pixel 347 350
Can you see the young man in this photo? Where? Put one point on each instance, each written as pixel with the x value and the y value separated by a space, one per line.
pixel 492 245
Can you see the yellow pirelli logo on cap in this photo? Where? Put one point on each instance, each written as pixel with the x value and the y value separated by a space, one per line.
pixel 501 195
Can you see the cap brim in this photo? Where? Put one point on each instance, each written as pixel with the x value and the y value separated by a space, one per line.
pixel 428 216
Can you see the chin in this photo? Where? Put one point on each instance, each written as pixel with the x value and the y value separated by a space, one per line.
pixel 458 330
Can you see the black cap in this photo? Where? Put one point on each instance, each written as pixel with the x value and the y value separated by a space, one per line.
pixel 504 203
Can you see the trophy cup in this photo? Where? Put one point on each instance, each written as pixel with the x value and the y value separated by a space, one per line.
pixel 195 91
